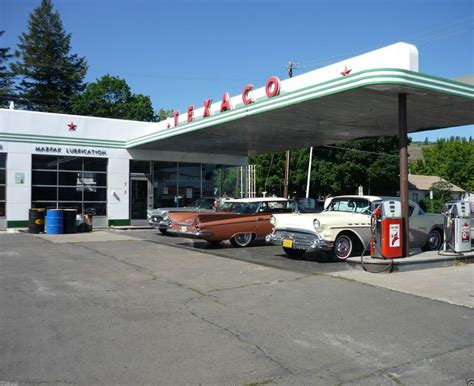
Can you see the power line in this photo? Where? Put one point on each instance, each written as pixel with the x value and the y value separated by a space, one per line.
pixel 392 155
pixel 420 39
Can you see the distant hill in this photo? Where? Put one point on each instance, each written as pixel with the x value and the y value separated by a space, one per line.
pixel 415 150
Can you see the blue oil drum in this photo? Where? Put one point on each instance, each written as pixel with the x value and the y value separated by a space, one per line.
pixel 54 221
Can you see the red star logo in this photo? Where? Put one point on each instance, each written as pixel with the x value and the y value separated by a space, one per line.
pixel 346 71
pixel 72 126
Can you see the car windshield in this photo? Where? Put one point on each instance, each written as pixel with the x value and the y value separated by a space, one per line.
pixel 276 207
pixel 258 207
pixel 346 204
pixel 239 207
pixel 202 203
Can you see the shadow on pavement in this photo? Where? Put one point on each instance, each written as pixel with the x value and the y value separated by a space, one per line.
pixel 258 253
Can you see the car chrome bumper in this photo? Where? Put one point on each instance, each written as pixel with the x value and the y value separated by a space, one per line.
pixel 162 225
pixel 190 235
pixel 154 221
pixel 301 240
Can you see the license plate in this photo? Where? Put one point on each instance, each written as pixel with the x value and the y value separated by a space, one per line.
pixel 288 243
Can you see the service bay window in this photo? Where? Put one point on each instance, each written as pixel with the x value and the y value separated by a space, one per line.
pixel 70 182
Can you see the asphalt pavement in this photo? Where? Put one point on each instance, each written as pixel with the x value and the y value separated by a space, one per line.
pixel 123 308
pixel 258 252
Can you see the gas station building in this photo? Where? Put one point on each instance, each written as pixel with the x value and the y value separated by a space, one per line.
pixel 118 169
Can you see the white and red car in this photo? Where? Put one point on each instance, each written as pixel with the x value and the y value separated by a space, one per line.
pixel 344 228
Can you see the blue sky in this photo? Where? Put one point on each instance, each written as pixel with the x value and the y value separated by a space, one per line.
pixel 180 52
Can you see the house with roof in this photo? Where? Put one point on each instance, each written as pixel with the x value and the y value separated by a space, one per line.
pixel 419 187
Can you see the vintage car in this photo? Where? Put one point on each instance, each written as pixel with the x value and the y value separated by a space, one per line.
pixel 239 220
pixel 156 216
pixel 344 228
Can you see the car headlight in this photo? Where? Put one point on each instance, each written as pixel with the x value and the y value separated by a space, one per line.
pixel 273 220
pixel 316 223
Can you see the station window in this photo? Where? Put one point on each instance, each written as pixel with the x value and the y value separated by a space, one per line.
pixel 165 184
pixel 70 182
pixel 141 167
pixel 3 183
pixel 189 183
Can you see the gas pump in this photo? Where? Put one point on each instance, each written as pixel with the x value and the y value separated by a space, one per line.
pixel 387 230
pixel 457 227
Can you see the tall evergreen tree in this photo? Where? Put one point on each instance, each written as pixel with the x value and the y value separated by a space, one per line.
pixel 5 76
pixel 50 75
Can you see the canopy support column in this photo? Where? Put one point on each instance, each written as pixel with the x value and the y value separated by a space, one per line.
pixel 403 146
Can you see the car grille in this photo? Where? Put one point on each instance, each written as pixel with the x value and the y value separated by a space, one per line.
pixel 302 239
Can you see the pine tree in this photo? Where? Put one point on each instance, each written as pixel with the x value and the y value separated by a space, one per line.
pixel 5 76
pixel 49 74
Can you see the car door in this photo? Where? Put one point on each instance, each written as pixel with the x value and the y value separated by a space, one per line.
pixel 418 227
pixel 263 226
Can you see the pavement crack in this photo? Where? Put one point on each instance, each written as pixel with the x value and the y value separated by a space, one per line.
pixel 237 336
pixel 389 372
pixel 146 271
pixel 259 284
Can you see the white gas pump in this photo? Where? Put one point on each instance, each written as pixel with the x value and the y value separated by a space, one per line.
pixel 457 227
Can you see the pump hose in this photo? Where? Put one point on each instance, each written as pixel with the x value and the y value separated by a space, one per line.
pixel 388 267
pixel 442 251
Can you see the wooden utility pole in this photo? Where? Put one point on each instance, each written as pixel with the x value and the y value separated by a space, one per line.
pixel 403 146
pixel 290 67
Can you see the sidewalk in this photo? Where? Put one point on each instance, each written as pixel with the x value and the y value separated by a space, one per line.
pixel 454 285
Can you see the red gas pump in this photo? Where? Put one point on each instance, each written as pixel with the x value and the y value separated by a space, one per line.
pixel 387 230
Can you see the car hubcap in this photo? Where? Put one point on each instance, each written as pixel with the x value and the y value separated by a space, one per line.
pixel 343 247
pixel 243 238
pixel 434 240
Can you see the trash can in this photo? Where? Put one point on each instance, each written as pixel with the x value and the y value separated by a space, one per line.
pixel 36 220
pixel 54 221
pixel 70 220
pixel 87 222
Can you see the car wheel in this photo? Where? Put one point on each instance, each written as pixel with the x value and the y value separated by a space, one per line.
pixel 293 253
pixel 241 240
pixel 343 247
pixel 163 231
pixel 435 240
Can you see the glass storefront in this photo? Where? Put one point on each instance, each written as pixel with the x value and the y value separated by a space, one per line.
pixel 176 184
pixel 69 182
pixel 165 179
pixel 189 183
pixel 3 182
